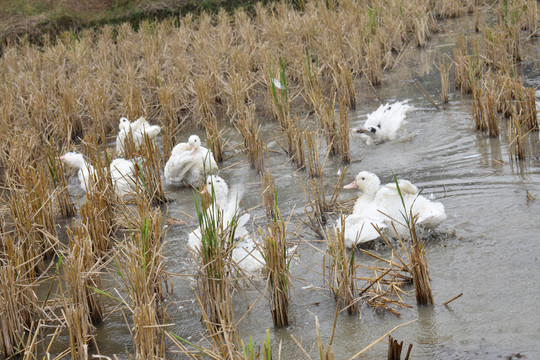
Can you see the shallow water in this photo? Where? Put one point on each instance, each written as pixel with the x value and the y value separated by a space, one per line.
pixel 486 248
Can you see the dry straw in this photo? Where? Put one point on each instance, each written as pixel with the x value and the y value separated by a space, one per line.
pixel 250 130
pixel 149 172
pixel 419 267
pixel 19 308
pixel 395 348
pixel 31 208
pixel 277 267
pixel 141 267
pixel 207 116
pixel 444 68
pixel 341 269
pixel 318 205
pixel 214 280
pixel 269 192
pixel 82 308
pixel 65 205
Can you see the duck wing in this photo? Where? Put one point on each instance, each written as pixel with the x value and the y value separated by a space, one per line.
pixel 123 176
pixel 248 256
pixel 178 166
pixel 405 186
pixel 393 118
pixel 360 229
pixel 429 213
pixel 140 124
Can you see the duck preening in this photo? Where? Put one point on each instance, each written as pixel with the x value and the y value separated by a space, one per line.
pixel 380 205
pixel 136 130
pixel 223 213
pixel 188 162
pixel 384 124
pixel 122 173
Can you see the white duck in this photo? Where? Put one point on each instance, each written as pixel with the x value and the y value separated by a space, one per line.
pixel 224 207
pixel 384 124
pixel 136 130
pixel 188 161
pixel 376 200
pixel 122 173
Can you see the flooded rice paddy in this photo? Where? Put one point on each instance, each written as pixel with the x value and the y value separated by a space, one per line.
pixel 486 249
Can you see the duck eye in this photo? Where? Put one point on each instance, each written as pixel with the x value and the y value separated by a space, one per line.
pixel 363 178
pixel 379 126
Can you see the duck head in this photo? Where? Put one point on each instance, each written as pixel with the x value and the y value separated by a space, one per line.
pixel 73 159
pixel 219 188
pixel 366 182
pixel 124 123
pixel 372 131
pixel 194 143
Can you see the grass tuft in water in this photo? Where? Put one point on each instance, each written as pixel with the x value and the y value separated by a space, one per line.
pixel 341 269
pixel 418 267
pixel 215 268
pixel 277 267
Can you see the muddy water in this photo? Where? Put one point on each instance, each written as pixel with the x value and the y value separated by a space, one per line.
pixel 487 248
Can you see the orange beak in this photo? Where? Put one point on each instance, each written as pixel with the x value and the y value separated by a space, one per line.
pixel 351 185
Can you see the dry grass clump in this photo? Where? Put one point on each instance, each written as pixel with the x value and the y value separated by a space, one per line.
pixel 493 59
pixel 97 210
pixel 82 307
pixel 395 347
pixel 484 108
pixel 19 309
pixel 269 192
pixel 279 93
pixel 516 135
pixel 451 9
pixel 514 98
pixel 384 287
pixel 149 172
pixel 250 130
pixel 65 205
pixel 207 116
pixel 318 205
pixel 295 136
pixel 513 17
pixel 277 267
pixel 313 144
pixel 343 81
pixel 343 133
pixel 147 333
pixel 468 67
pixel 444 68
pixel 341 269
pixel 31 208
pixel 214 277
pixel 418 264
pixel 141 267
pixel 419 268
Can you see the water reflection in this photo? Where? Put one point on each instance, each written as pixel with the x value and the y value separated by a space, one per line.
pixel 490 151
pixel 428 331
